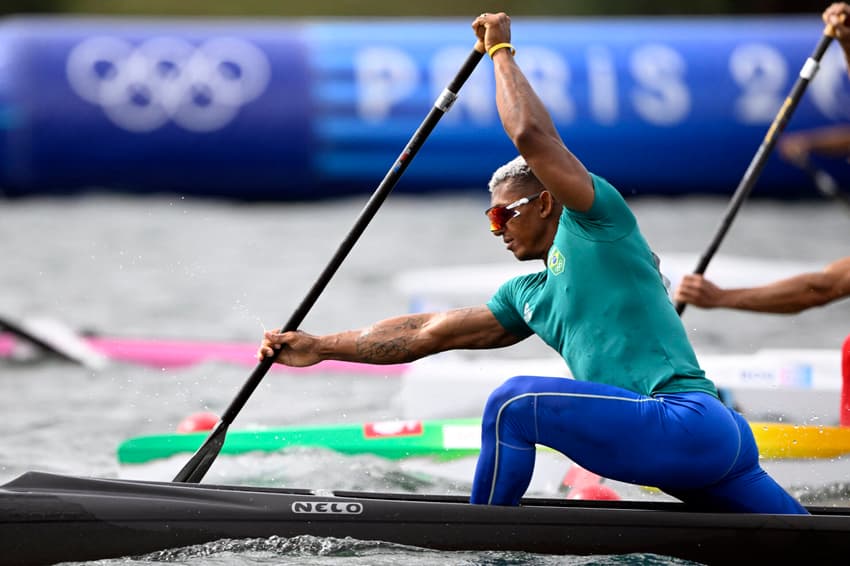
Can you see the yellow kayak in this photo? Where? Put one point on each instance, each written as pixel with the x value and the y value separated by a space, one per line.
pixel 796 441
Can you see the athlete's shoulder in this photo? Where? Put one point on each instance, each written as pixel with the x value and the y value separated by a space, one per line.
pixel 523 282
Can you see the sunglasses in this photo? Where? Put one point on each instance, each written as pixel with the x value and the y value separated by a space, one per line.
pixel 499 215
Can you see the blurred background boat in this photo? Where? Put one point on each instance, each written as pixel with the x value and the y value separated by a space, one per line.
pixel 437 439
pixel 96 351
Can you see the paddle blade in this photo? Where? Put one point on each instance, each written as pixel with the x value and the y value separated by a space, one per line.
pixel 197 466
pixel 57 339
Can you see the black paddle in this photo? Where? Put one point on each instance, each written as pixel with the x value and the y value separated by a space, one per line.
pixel 758 162
pixel 201 461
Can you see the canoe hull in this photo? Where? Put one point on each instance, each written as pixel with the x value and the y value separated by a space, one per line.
pixel 87 519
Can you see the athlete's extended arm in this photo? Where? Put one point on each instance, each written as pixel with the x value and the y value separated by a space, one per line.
pixel 528 123
pixel 790 295
pixel 832 141
pixel 392 341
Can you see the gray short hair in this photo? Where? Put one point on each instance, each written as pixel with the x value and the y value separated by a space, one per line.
pixel 516 168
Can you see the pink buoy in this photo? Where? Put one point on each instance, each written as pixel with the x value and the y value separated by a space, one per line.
pixel 198 422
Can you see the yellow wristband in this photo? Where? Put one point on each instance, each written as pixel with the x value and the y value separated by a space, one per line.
pixel 500 46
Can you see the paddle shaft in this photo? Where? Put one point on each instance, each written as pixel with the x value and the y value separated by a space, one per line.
pixel 758 162
pixel 201 461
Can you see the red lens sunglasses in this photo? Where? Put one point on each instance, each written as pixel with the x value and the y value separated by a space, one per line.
pixel 499 215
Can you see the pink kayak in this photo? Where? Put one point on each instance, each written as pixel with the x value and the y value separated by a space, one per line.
pixel 180 353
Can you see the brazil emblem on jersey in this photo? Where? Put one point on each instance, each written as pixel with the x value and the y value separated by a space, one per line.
pixel 555 261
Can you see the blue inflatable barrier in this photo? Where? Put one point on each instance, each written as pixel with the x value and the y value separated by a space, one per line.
pixel 293 109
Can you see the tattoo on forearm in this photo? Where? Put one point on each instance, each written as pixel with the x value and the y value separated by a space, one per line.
pixel 389 343
pixel 390 351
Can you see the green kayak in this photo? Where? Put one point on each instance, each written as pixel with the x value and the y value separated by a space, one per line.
pixel 439 439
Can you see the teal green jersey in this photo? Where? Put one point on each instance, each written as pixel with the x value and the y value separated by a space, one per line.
pixel 602 304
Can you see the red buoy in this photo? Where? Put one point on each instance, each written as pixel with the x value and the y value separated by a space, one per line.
pixel 599 492
pixel 198 422
pixel 845 383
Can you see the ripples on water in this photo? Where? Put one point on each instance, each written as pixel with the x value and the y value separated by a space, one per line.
pixel 194 269
pixel 308 550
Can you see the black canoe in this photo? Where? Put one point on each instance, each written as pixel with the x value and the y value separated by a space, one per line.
pixel 46 518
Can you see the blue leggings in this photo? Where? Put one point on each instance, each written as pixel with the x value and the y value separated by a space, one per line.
pixel 689 445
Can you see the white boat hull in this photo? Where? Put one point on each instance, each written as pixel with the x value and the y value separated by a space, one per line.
pixel 795 386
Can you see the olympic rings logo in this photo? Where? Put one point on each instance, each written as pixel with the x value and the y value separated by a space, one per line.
pixel 164 79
